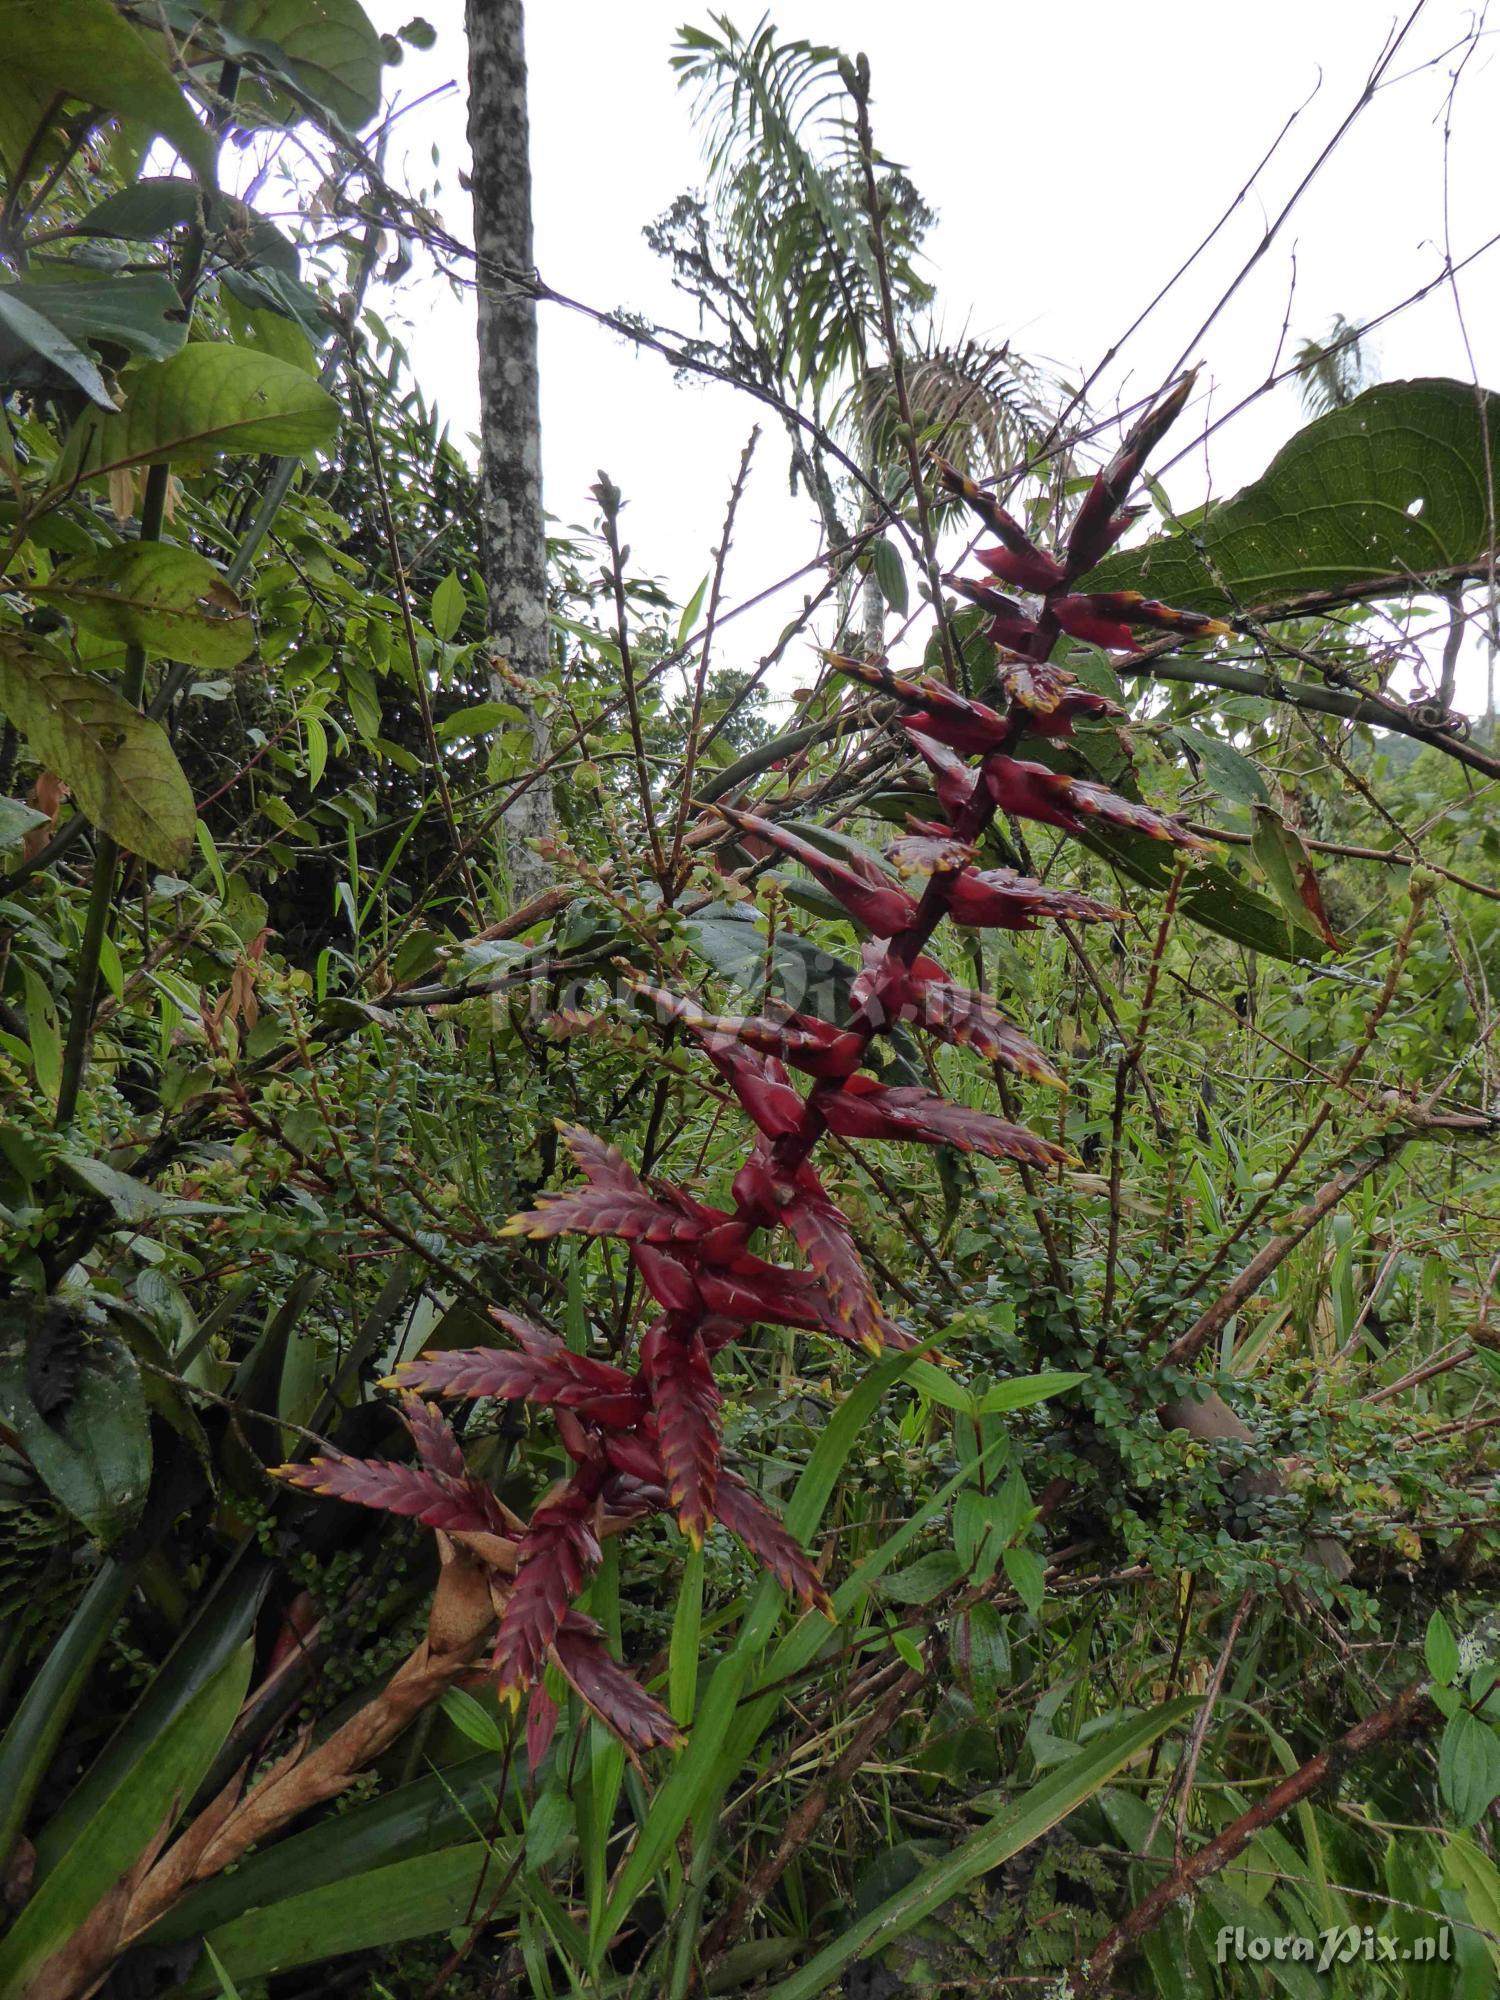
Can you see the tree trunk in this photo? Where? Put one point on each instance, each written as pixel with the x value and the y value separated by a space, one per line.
pixel 513 545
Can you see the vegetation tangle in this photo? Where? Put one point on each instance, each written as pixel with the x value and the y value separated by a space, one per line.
pixel 931 1264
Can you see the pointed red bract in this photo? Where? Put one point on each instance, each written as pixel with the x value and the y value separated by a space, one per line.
pixel 1024 564
pixel 807 1044
pixel 632 1214
pixel 955 1014
pixel 1009 625
pixel 1133 609
pixel 1031 791
pixel 1052 699
pixel 870 899
pixel 438 1499
pixel 601 1164
pixel 686 1402
pixel 541 1725
pixel 762 1086
pixel 928 850
pixel 1000 899
pixel 437 1447
pixel 868 1110
pixel 616 1697
pixel 1094 527
pixel 554 1560
pixel 751 1521
pixel 823 1235
pixel 549 1373
pixel 953 781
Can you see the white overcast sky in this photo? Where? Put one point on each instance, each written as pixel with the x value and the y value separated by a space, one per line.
pixel 1075 153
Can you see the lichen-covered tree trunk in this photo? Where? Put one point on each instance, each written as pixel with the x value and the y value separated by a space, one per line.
pixel 510 473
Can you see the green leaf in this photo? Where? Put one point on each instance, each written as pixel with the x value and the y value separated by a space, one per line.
pixel 431 1812
pixel 165 599
pixel 17 820
pixel 1211 896
pixel 1021 1391
pixel 409 1899
pixel 222 1619
pixel 549 1826
pixel 137 310
pixel 136 1203
pixel 473 1719
pixel 1231 772
pixel 1288 868
pixel 690 612
pixel 212 398
pixel 1028 1577
pixel 155 1791
pixel 87 50
pixel 326 48
pixel 1013 1828
pixel 24 329
pixel 94 1457
pixel 42 1034
pixel 479 720
pixel 45 1709
pixel 1440 1649
pixel 449 603
pixel 120 767
pixel 227 1988
pixel 1394 483
pixel 890 574
pixel 148 208
pixel 1468 1767
pixel 683 1656
pixel 928 1577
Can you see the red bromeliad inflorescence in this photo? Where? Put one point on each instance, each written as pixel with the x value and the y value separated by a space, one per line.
pixel 648 1439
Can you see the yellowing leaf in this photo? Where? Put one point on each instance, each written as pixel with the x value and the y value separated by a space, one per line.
pixel 165 599
pixel 120 767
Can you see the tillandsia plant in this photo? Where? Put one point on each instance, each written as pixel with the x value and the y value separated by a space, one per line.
pixel 650 1438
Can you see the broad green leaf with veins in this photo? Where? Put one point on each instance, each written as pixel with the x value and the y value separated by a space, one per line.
pixel 167 599
pixel 210 398
pixel 1393 484
pixel 120 767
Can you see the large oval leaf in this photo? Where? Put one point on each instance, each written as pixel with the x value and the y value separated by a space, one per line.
pixel 155 1790
pixel 120 767
pixel 210 398
pixel 137 310
pixel 94 1457
pixel 1392 485
pixel 85 49
pixel 327 48
pixel 165 599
